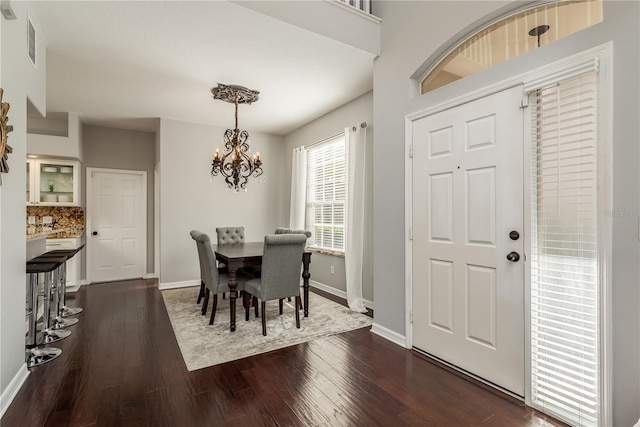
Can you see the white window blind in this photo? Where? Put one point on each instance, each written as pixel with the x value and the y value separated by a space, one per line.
pixel 326 191
pixel 564 274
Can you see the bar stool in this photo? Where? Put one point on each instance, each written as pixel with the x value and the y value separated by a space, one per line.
pixel 34 355
pixel 65 311
pixel 57 321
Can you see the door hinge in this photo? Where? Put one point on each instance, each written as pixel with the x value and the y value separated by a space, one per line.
pixel 410 233
pixel 411 151
pixel 524 103
pixel 411 316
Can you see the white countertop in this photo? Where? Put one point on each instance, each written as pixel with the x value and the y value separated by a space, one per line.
pixel 44 234
pixel 37 236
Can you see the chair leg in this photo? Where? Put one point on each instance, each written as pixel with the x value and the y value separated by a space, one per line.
pixel 201 293
pixel 264 318
pixel 280 305
pixel 297 312
pixel 255 305
pixel 213 309
pixel 245 303
pixel 205 303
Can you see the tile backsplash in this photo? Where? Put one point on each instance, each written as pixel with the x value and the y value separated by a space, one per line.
pixel 66 221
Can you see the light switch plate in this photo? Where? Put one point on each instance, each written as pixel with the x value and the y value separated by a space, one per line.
pixel 47 219
pixel 31 219
pixel 47 229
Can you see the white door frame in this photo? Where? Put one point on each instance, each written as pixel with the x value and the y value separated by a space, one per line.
pixel 156 222
pixel 602 57
pixel 143 214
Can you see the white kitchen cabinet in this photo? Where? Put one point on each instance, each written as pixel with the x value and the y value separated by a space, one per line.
pixel 73 264
pixel 53 182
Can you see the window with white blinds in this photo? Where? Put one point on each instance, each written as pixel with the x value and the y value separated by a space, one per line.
pixel 565 344
pixel 326 193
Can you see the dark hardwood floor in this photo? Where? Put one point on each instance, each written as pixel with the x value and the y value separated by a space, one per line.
pixel 122 367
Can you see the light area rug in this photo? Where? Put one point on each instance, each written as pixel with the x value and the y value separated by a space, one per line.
pixel 205 345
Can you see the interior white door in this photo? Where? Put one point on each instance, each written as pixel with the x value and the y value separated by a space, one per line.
pixel 116 208
pixel 468 298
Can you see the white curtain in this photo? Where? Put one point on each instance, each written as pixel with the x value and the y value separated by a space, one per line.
pixel 355 138
pixel 298 188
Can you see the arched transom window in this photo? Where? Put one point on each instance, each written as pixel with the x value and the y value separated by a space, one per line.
pixel 513 36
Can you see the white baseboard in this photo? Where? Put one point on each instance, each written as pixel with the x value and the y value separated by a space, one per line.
pixel 13 388
pixel 75 287
pixel 151 276
pixel 390 335
pixel 176 285
pixel 337 292
pixel 72 289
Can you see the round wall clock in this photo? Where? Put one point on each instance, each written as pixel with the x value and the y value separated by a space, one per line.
pixel 5 149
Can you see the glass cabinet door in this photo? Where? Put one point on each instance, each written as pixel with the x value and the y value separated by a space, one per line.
pixel 56 182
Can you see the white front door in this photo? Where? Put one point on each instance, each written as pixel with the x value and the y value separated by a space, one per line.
pixel 116 233
pixel 467 183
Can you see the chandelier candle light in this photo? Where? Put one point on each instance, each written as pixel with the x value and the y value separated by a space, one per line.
pixel 236 165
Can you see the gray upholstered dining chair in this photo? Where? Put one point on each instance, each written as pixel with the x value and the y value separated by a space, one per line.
pixel 193 234
pixel 228 235
pixel 214 282
pixel 281 262
pixel 284 230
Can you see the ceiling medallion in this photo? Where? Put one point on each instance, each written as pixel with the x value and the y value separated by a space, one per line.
pixel 5 148
pixel 236 164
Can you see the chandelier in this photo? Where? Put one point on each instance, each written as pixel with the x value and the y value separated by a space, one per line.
pixel 236 165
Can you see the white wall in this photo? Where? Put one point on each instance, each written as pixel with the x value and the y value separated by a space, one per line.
pixel 188 200
pixel 356 29
pixel 411 33
pixel 59 146
pixel 19 81
pixel 351 114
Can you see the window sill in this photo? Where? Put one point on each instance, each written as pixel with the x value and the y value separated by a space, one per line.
pixel 327 252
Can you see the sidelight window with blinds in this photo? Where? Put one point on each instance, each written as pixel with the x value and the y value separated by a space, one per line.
pixel 326 192
pixel 565 331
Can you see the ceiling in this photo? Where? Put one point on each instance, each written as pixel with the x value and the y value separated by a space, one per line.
pixel 124 63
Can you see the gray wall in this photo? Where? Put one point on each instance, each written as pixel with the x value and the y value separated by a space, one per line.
pixel 122 149
pixel 190 199
pixel 357 111
pixel 414 31
pixel 20 80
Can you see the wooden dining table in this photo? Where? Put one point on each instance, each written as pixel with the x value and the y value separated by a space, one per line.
pixel 249 254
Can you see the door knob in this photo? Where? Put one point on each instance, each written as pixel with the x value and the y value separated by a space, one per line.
pixel 95 233
pixel 513 256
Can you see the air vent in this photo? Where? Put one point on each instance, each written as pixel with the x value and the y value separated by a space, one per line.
pixel 7 11
pixel 31 37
